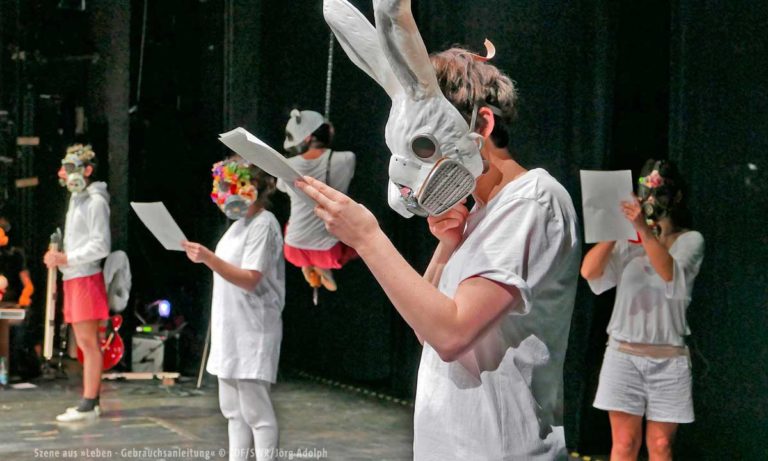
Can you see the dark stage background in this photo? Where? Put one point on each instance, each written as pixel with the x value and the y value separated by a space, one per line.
pixel 603 84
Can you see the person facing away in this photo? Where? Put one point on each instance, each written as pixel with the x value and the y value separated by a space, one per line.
pixel 646 368
pixel 246 306
pixel 308 245
pixel 493 308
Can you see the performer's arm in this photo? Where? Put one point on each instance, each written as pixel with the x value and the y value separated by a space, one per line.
pixel 658 254
pixel 26 293
pixel 596 259
pixel 450 326
pixel 243 278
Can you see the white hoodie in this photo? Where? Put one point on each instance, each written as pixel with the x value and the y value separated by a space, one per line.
pixel 86 233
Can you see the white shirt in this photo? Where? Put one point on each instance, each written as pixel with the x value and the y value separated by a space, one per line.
pixel 647 309
pixel 87 238
pixel 246 327
pixel 503 399
pixel 305 230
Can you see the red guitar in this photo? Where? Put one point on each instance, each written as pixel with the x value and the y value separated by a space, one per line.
pixel 112 346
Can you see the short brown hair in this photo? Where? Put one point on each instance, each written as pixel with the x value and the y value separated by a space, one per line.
pixel 466 81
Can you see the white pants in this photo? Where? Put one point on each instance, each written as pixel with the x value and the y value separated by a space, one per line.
pixel 252 423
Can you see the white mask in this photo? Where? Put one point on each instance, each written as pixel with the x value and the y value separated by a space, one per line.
pixel 300 126
pixel 435 155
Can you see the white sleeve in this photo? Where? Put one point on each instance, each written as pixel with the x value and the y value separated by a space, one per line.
pixel 99 240
pixel 260 250
pixel 612 270
pixel 521 244
pixel 687 254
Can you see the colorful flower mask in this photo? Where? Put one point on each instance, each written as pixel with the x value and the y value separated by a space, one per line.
pixel 233 191
pixel 74 162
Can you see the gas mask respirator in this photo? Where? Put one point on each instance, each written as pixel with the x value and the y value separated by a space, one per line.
pixel 77 158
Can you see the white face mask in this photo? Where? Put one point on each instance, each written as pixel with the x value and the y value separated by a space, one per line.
pixel 75 170
pixel 435 155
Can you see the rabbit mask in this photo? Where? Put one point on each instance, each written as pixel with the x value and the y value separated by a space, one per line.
pixel 435 155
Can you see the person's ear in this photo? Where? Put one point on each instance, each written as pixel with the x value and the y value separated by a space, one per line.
pixel 485 122
pixel 678 197
pixel 88 171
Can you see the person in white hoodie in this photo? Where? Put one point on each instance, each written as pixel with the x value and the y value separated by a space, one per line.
pixel 86 244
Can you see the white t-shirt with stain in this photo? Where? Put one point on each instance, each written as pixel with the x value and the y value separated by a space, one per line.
pixel 503 399
pixel 647 309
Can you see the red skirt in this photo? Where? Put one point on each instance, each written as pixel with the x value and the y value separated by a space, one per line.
pixel 332 258
pixel 85 298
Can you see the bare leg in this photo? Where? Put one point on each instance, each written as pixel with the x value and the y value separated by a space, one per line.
pixel 658 438
pixel 87 334
pixel 626 433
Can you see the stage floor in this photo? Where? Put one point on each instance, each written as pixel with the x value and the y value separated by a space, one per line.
pixel 148 421
pixel 144 420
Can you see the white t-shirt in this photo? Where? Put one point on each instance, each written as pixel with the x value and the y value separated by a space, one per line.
pixel 305 230
pixel 503 399
pixel 246 327
pixel 649 310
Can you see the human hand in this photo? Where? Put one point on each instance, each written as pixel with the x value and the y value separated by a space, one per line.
pixel 196 252
pixel 349 221
pixel 449 227
pixel 634 214
pixel 55 258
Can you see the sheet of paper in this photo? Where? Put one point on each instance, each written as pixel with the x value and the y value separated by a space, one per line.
pixel 155 216
pixel 260 154
pixel 601 195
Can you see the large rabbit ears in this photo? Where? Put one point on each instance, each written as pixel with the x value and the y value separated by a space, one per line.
pixel 393 53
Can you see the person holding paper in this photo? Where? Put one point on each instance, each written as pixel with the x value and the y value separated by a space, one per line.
pixel 493 308
pixel 308 244
pixel 87 241
pixel 646 369
pixel 246 308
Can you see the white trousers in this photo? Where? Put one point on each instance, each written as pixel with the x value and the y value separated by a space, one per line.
pixel 252 423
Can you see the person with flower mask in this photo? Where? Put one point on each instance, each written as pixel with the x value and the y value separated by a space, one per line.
pixel 87 241
pixel 646 369
pixel 308 245
pixel 246 307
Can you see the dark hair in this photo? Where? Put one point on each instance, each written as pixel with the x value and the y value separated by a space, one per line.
pixel 466 81
pixel 678 190
pixel 323 136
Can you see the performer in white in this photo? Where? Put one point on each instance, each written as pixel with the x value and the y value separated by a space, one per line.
pixel 646 369
pixel 246 308
pixel 494 307
pixel 87 242
pixel 308 245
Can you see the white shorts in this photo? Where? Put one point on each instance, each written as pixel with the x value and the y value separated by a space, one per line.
pixel 660 389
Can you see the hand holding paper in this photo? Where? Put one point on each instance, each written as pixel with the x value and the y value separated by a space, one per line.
pixel 158 220
pixel 260 154
pixel 602 193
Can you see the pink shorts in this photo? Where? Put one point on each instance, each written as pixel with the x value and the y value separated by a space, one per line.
pixel 332 258
pixel 85 298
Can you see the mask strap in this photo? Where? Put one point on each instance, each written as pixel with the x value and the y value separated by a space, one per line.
pixel 474 117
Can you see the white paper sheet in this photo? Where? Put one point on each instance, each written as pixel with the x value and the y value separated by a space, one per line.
pixel 601 195
pixel 158 220
pixel 260 154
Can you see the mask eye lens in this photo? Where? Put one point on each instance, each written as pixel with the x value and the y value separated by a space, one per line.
pixel 288 136
pixel 69 168
pixel 423 146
